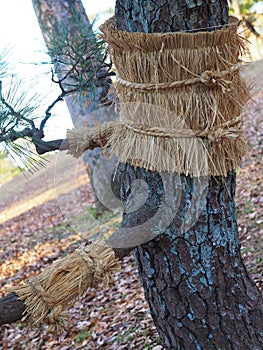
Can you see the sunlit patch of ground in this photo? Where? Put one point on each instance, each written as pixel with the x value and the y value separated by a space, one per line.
pixel 44 251
pixel 63 175
pixel 19 207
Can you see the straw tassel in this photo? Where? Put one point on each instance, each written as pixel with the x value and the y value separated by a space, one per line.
pixel 80 140
pixel 47 294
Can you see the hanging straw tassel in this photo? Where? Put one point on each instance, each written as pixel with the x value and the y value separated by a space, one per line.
pixel 46 295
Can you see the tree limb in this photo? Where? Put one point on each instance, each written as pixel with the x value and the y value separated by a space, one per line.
pixel 12 308
pixel 48 146
pixel 251 27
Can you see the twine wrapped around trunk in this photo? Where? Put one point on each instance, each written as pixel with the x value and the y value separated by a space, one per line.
pixel 180 97
pixel 46 294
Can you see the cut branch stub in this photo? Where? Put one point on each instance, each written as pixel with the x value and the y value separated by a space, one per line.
pixel 46 294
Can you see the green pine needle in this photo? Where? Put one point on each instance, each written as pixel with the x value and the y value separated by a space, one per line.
pixel 24 157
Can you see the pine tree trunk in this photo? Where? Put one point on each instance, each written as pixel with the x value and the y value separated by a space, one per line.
pixel 93 107
pixel 198 289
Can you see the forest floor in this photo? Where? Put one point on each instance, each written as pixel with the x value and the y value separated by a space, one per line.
pixel 49 213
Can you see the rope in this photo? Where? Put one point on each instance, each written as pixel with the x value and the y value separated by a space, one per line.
pixel 56 317
pixel 42 293
pixel 94 263
pixel 208 78
pixel 212 135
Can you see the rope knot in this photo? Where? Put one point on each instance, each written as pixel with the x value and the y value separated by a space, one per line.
pixel 56 315
pixel 57 319
pixel 216 135
pixel 211 78
pixel 208 78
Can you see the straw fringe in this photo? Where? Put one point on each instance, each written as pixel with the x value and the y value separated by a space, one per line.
pixel 80 140
pixel 46 295
pixel 184 153
pixel 180 98
pixel 194 152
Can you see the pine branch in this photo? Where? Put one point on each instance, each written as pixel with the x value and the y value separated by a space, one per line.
pixel 85 60
pixel 18 115
pixel 48 146
pixel 251 27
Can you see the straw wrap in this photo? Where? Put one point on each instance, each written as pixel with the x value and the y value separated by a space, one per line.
pixel 47 294
pixel 180 98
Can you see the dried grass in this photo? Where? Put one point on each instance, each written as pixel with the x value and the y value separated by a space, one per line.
pixel 47 294
pixel 181 99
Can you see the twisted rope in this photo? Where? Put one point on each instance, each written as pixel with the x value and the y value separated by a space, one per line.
pixel 94 263
pixel 226 130
pixel 41 292
pixel 210 78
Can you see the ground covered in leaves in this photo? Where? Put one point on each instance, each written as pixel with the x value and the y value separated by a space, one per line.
pixel 50 213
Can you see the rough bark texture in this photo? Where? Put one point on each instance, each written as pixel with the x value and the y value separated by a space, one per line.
pixel 55 14
pixel 195 281
pixel 170 16
pixel 11 309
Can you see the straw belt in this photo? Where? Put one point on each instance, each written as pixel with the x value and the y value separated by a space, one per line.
pixel 181 99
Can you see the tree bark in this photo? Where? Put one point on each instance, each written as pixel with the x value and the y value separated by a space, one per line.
pixel 11 309
pixel 195 281
pixel 93 108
